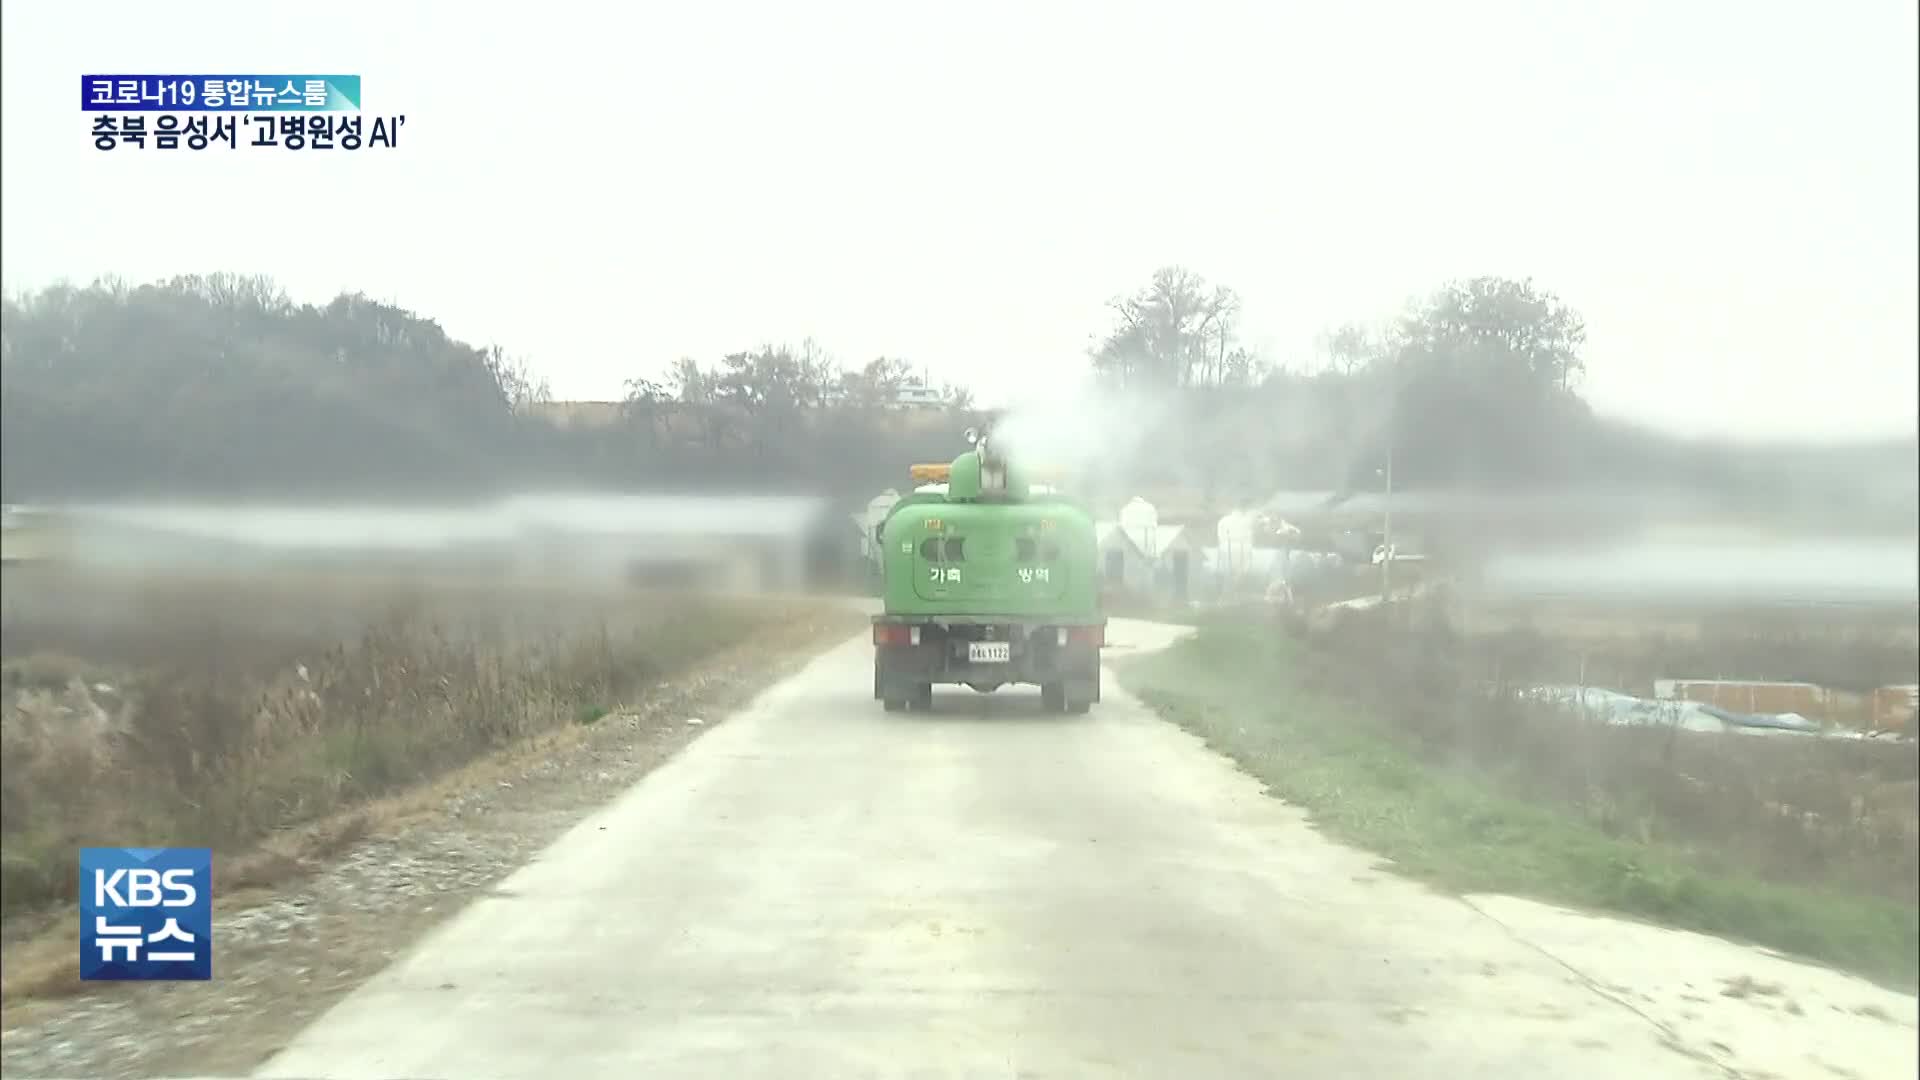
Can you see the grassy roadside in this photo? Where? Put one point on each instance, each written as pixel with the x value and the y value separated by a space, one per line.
pixel 200 720
pixel 708 676
pixel 1465 826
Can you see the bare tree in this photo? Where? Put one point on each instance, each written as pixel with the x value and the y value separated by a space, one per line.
pixel 519 386
pixel 1175 332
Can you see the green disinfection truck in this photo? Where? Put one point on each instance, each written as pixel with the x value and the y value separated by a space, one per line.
pixel 987 580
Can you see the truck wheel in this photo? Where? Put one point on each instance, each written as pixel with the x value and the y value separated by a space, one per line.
pixel 923 697
pixel 1053 697
pixel 1078 704
pixel 893 704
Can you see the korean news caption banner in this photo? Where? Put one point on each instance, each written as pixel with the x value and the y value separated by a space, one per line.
pixel 146 913
pixel 196 112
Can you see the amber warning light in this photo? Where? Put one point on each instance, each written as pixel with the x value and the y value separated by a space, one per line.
pixel 930 474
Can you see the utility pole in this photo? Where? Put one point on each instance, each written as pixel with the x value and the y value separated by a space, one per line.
pixel 1386 530
pixel 1386 527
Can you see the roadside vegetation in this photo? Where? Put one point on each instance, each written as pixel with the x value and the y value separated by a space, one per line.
pixel 223 715
pixel 1405 737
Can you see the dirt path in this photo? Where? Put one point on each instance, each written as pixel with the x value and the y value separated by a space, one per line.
pixel 825 889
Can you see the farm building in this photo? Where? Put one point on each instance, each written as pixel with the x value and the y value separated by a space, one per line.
pixel 1123 564
pixel 1249 554
pixel 868 520
pixel 1174 559
pixel 1249 570
pixel 1893 708
pixel 1234 547
pixel 1886 709
pixel 1747 696
pixel 1140 555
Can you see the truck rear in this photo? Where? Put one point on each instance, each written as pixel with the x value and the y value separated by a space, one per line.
pixel 987 583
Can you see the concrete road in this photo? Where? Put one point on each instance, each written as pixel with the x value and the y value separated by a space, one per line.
pixel 818 888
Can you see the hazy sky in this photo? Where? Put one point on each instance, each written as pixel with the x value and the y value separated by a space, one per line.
pixel 1726 190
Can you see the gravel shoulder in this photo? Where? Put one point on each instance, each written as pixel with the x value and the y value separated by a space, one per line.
pixel 284 955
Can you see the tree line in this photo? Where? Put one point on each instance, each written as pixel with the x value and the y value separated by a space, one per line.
pixel 220 385
pixel 1473 387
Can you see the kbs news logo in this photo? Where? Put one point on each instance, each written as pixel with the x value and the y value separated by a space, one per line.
pixel 146 913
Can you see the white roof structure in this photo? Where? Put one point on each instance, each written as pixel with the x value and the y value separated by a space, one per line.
pixel 1169 537
pixel 1234 536
pixel 1140 521
pixel 1264 564
pixel 1108 533
pixel 1140 524
pixel 1139 514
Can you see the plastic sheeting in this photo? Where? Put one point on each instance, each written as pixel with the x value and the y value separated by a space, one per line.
pixel 1626 710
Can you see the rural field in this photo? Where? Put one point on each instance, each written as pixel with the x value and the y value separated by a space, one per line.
pixel 237 711
pixel 1461 739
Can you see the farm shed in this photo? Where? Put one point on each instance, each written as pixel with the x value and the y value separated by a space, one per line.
pixel 1141 556
pixel 1893 708
pixel 1123 565
pixel 1747 696
pixel 1173 562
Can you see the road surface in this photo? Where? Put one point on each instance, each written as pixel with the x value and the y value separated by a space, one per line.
pixel 818 888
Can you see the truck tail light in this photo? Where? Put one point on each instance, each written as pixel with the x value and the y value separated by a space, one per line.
pixel 1094 636
pixel 895 634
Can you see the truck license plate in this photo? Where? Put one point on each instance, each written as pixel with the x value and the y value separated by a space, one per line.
pixel 989 652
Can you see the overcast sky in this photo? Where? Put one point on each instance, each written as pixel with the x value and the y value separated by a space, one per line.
pixel 1727 190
